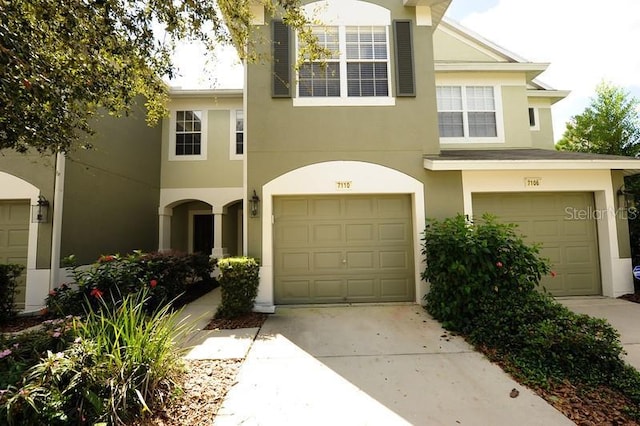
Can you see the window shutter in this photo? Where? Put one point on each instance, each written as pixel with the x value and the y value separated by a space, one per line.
pixel 405 78
pixel 281 87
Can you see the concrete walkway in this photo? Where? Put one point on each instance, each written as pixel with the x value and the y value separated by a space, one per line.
pixel 371 365
pixel 621 314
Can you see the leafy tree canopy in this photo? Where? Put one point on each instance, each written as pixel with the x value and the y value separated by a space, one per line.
pixel 61 61
pixel 609 125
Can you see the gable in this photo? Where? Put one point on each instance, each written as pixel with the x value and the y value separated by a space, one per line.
pixel 453 43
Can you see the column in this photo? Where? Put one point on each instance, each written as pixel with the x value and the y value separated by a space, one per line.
pixel 164 237
pixel 218 251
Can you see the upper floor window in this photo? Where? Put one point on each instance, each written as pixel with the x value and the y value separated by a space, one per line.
pixel 188 135
pixel 239 133
pixel 467 112
pixel 357 70
pixel 357 67
pixel 534 121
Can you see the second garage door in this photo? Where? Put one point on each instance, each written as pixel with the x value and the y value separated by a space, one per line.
pixel 336 249
pixel 14 238
pixel 568 239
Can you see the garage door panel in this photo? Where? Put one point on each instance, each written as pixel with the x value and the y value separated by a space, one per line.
pixel 361 259
pixel 330 207
pixel 18 238
pixel 293 208
pixel 328 289
pixel 359 288
pixel 394 287
pixel 393 260
pixel 393 231
pixel 293 235
pixel 359 232
pixel 569 244
pixel 295 289
pixel 295 261
pixel 368 237
pixel 327 233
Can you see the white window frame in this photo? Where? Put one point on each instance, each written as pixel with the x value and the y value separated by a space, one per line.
pixel 232 137
pixel 497 99
pixel 203 136
pixel 342 14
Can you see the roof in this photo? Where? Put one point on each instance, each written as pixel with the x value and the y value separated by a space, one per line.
pixel 518 159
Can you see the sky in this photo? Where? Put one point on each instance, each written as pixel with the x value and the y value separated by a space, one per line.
pixel 585 41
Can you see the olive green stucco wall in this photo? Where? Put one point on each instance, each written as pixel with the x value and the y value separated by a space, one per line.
pixel 544 137
pixel 281 137
pixel 443 194
pixel 448 48
pixel 218 170
pixel 38 170
pixel 112 191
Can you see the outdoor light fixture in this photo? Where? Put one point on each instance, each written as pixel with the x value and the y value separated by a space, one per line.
pixel 254 204
pixel 40 212
pixel 628 198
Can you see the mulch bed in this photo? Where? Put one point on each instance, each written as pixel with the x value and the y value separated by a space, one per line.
pixel 631 297
pixel 250 320
pixel 21 323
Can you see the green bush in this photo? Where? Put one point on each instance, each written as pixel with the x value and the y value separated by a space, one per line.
pixel 165 275
pixel 471 265
pixel 9 275
pixel 121 365
pixel 239 279
pixel 484 284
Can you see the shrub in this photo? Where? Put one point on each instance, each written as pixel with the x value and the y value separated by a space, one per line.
pixel 120 365
pixel 484 282
pixel 239 279
pixel 9 275
pixel 469 265
pixel 165 275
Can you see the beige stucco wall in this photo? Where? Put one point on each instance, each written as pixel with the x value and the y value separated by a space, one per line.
pixel 112 191
pixel 218 170
pixel 543 136
pixel 443 194
pixel 450 46
pixel 622 223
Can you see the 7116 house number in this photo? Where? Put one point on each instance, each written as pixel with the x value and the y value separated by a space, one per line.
pixel 343 184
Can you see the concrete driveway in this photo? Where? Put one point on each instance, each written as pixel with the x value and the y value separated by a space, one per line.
pixel 621 314
pixel 372 365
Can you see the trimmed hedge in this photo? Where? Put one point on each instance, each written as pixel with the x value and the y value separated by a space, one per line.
pixel 239 279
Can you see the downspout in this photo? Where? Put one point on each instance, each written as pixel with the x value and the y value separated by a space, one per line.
pixel 56 233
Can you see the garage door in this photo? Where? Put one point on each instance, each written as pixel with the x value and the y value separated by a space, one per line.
pixel 14 237
pixel 336 249
pixel 569 241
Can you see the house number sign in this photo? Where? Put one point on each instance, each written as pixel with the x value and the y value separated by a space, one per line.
pixel 532 182
pixel 342 185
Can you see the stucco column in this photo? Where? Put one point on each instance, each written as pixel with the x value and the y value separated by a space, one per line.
pixel 218 251
pixel 164 237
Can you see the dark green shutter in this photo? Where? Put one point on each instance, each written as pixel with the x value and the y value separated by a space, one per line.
pixel 405 77
pixel 281 87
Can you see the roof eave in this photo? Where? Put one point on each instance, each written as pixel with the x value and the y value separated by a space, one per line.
pixel 450 165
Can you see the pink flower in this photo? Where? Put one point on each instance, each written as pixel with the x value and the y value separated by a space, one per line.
pixel 499 264
pixel 56 334
pixel 553 274
pixel 96 293
pixel 52 293
pixel 5 353
pixel 108 258
pixel 153 283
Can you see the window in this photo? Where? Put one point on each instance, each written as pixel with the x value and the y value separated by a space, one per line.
pixel 358 67
pixel 533 119
pixel 188 135
pixel 239 133
pixel 467 112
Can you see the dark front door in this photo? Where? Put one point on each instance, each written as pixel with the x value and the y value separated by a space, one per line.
pixel 203 233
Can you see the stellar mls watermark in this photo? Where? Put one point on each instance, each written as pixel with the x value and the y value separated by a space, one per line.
pixel 572 213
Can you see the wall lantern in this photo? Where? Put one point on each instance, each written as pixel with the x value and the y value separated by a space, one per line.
pixel 254 204
pixel 40 212
pixel 628 198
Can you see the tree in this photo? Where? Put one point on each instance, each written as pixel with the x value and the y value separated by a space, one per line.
pixel 63 61
pixel 609 125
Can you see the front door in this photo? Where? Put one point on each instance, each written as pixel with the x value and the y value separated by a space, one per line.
pixel 203 233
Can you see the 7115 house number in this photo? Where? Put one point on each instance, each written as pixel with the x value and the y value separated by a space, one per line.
pixel 343 184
